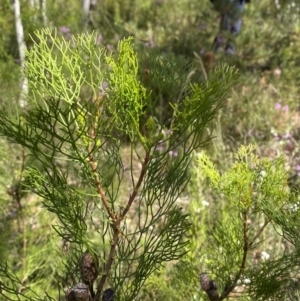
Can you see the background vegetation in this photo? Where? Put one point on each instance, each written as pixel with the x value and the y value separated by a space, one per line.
pixel 262 109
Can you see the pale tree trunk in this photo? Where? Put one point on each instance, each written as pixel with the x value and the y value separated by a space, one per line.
pixel 34 4
pixel 87 6
pixel 43 10
pixel 86 12
pixel 39 5
pixel 22 51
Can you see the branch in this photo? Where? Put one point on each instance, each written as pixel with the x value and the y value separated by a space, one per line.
pixel 93 165
pixel 111 257
pixel 116 224
pixel 247 246
pixel 100 189
pixel 137 186
pixel 259 232
pixel 115 219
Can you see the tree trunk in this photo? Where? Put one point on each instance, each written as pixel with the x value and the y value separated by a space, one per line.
pixel 22 51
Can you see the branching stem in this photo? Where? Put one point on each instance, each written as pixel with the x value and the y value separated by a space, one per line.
pixel 115 219
pixel 258 233
pixel 246 248
pixel 111 257
pixel 137 186
pixel 100 189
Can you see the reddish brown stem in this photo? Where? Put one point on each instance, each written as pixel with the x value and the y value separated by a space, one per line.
pixel 116 221
pixel 94 165
pixel 111 257
pixel 100 189
pixel 246 247
pixel 258 233
pixel 137 186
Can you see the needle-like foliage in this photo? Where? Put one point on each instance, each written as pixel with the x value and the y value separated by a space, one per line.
pixel 118 212
pixel 257 200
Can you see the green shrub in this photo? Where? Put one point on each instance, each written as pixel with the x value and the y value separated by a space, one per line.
pixel 116 215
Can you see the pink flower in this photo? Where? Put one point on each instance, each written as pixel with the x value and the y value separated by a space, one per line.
pixel 64 29
pixel 173 153
pixel 278 106
pixel 99 39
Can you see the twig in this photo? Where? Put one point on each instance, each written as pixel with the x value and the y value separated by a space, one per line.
pixel 137 186
pixel 201 64
pixel 258 233
pixel 111 257
pixel 116 221
pixel 100 189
